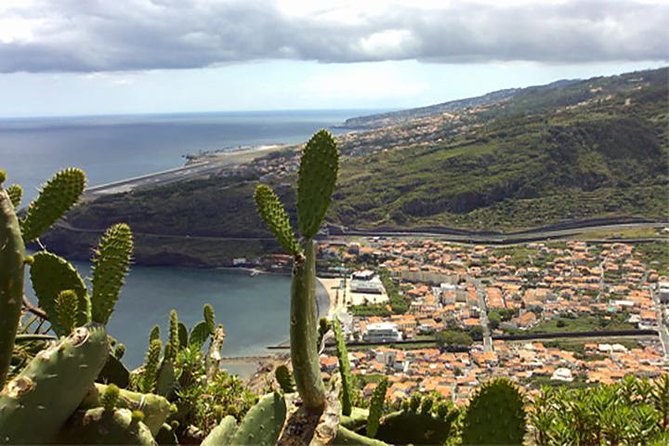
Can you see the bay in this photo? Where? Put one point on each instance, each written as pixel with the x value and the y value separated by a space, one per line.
pixel 253 310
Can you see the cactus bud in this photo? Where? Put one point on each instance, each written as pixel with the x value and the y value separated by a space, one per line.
pixel 66 309
pixel 110 397
pixel 15 193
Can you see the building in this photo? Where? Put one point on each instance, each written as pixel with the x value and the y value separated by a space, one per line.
pixel 663 292
pixel 366 282
pixel 382 332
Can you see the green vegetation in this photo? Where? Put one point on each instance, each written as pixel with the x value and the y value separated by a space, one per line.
pixel 630 412
pixel 453 338
pixel 580 323
pixel 656 255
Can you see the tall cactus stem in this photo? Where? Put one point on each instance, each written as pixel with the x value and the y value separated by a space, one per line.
pixel 12 262
pixel 344 369
pixel 304 330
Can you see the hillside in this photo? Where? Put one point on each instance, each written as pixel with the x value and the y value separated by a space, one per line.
pixel 564 152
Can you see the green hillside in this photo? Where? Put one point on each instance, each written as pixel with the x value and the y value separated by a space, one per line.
pixel 569 151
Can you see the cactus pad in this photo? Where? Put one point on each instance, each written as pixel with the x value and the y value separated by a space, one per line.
pixel 110 266
pixel 199 335
pixel 209 319
pixel 222 434
pixel 98 426
pixel 156 408
pixel 495 415
pixel 36 403
pixel 66 310
pixel 285 379
pixel 57 196
pixel 263 423
pixel 376 407
pixel 316 181
pixel 275 216
pixel 15 193
pixel 151 366
pixel 50 275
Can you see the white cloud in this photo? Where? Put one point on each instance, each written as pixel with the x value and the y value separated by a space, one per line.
pixel 100 35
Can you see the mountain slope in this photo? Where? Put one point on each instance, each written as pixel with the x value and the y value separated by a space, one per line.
pixel 569 151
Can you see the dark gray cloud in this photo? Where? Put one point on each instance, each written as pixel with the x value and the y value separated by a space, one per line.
pixel 103 35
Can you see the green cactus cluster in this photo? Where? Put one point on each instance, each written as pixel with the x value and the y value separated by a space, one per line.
pixel 47 398
pixel 495 415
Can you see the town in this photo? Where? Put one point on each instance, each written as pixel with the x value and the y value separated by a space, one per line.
pixel 441 317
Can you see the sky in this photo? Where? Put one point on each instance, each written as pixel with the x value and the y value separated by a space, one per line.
pixel 79 57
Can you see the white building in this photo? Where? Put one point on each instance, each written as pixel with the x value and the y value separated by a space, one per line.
pixel 663 292
pixel 366 282
pixel 382 332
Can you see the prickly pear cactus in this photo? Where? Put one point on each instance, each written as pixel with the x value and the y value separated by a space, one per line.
pixel 285 379
pixel 57 196
pixel 150 376
pixel 102 426
pixel 66 310
pixel 315 185
pixel 495 415
pixel 199 335
pixel 36 403
pixel 15 193
pixel 263 423
pixel 12 260
pixel 222 434
pixel 275 216
pixel 50 275
pixel 376 407
pixel 110 266
pixel 156 409
pixel 319 166
pixel 209 319
pixel 344 369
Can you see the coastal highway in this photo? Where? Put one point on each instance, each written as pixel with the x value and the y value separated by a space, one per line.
pixel 469 239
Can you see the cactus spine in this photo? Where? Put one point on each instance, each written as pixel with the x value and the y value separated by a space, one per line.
pixel 12 260
pixel 36 403
pixel 344 369
pixel 316 181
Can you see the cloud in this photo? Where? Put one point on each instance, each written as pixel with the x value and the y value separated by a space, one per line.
pixel 102 35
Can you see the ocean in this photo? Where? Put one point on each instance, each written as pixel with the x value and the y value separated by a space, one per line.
pixel 253 310
pixel 111 148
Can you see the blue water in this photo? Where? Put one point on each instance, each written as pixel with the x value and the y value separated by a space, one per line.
pixel 254 310
pixel 111 148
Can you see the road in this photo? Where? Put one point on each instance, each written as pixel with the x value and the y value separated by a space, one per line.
pixel 487 338
pixel 661 324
